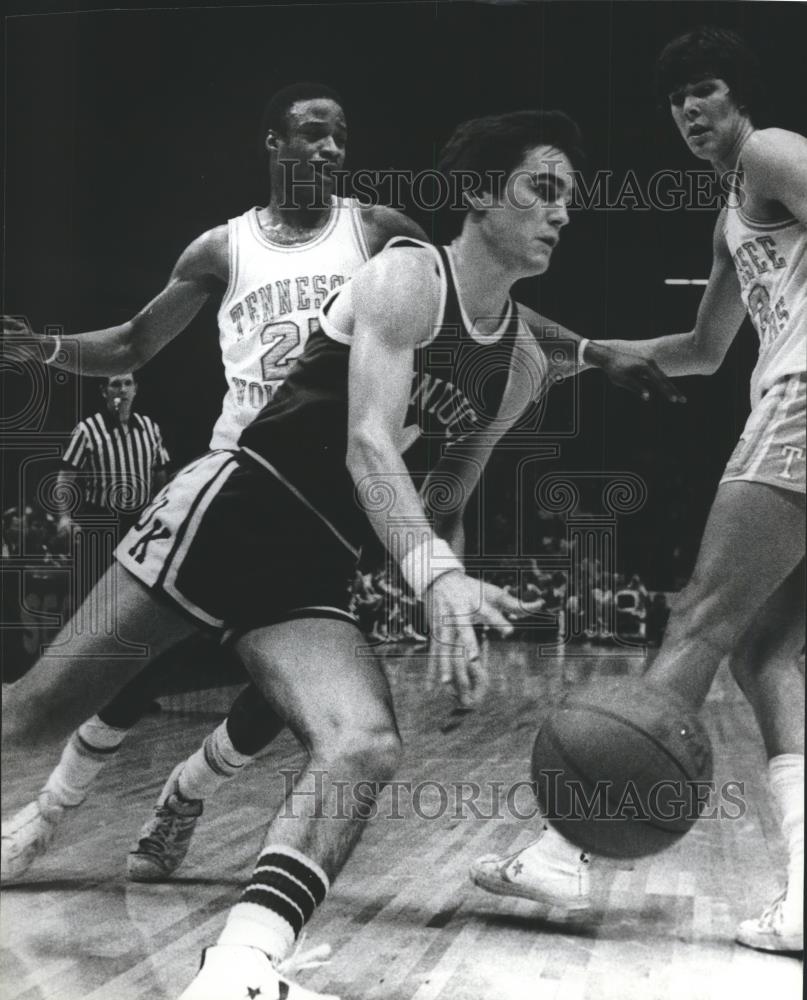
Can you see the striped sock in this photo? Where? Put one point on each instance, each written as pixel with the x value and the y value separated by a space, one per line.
pixel 215 761
pixel 86 752
pixel 285 889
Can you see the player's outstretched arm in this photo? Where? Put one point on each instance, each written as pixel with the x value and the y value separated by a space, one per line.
pixel 701 350
pixel 394 304
pixel 631 371
pixel 200 271
pixel 549 333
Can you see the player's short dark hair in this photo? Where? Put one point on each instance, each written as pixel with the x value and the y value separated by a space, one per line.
pixel 709 51
pixel 276 111
pixel 495 145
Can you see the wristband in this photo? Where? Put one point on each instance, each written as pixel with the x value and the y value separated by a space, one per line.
pixel 425 562
pixel 57 346
pixel 581 348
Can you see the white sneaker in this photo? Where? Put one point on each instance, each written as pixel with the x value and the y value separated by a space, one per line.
pixel 235 972
pixel 776 929
pixel 27 835
pixel 166 836
pixel 540 872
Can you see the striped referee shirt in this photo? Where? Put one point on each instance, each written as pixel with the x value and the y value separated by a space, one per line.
pixel 116 467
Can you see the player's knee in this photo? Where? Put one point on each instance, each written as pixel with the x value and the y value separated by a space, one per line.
pixel 374 754
pixel 369 752
pixel 388 753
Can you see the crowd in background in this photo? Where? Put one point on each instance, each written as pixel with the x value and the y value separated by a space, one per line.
pixel 32 532
pixel 574 607
pixel 582 603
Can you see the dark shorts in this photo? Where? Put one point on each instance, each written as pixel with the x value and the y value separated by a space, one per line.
pixel 231 546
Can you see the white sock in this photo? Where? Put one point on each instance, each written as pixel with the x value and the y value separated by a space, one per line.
pixel 786 773
pixel 253 926
pixel 214 762
pixel 86 752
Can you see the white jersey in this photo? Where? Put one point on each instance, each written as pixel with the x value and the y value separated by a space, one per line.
pixel 271 304
pixel 771 263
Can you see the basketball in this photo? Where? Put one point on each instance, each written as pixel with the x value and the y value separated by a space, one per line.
pixel 617 766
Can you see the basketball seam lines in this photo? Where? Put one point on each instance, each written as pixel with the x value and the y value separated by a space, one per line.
pixel 586 777
pixel 635 728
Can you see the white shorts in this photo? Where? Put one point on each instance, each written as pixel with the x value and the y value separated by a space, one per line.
pixel 773 444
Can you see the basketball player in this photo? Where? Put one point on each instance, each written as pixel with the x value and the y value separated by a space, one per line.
pixel 746 598
pixel 394 370
pixel 272 268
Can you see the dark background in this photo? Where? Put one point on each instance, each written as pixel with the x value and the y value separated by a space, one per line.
pixel 129 133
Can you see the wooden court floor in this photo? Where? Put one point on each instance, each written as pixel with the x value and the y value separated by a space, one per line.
pixel 403 920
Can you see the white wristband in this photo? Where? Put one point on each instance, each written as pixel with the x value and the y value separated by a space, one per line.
pixel 581 347
pixel 57 346
pixel 425 562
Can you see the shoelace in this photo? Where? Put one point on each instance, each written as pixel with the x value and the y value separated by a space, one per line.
pixel 166 828
pixel 299 960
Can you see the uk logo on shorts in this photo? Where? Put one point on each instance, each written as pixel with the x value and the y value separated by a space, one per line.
pixel 154 548
pixel 143 548
pixel 148 529
pixel 156 532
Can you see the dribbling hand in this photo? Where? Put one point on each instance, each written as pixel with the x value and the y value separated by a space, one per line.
pixel 455 603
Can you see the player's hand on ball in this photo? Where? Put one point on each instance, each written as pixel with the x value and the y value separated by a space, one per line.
pixel 633 373
pixel 455 603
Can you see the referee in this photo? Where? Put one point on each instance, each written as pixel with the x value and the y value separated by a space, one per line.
pixel 116 460
pixel 113 466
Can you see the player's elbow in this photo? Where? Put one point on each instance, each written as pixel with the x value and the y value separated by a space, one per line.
pixel 710 361
pixel 366 451
pixel 705 356
pixel 138 342
pixel 361 450
pixel 127 354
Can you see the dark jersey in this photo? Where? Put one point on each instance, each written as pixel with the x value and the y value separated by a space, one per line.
pixel 458 384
